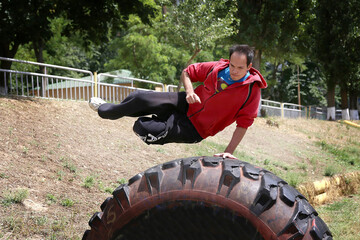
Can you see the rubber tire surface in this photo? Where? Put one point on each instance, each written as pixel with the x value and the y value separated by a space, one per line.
pixel 228 190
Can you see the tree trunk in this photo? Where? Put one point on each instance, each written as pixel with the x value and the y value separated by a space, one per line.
pixel 197 51
pixel 331 101
pixel 257 59
pixel 344 103
pixel 38 49
pixel 8 51
pixel 354 112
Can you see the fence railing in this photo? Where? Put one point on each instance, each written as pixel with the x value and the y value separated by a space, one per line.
pixel 47 86
pixel 290 110
pixel 112 88
pixel 32 84
pixel 120 87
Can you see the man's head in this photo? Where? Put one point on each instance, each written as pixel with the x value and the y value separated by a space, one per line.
pixel 241 57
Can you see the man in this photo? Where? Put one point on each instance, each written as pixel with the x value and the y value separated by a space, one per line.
pixel 230 92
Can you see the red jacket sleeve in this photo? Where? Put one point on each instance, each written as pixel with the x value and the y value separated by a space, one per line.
pixel 199 71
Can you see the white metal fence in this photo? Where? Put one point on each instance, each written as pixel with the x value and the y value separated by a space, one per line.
pixel 112 88
pixel 290 110
pixel 32 84
pixel 116 91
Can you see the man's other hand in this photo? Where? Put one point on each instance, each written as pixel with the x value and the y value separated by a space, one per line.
pixel 225 155
pixel 192 98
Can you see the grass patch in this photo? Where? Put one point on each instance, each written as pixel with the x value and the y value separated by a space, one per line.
pixel 17 196
pixel 343 218
pixel 67 202
pixel 89 182
pixel 349 154
pixel 122 181
pixel 3 175
pixel 330 171
pixel 70 166
pixel 51 199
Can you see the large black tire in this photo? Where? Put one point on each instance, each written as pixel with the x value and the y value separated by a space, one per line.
pixel 206 198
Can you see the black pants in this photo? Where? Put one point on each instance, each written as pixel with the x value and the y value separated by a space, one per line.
pixel 168 122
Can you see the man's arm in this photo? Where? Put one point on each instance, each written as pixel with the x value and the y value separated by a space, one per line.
pixel 238 135
pixel 191 96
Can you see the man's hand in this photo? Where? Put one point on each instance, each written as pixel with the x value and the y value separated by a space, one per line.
pixel 192 98
pixel 225 155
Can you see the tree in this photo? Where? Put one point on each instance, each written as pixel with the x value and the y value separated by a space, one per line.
pixel 272 27
pixel 198 24
pixel 336 40
pixel 25 21
pixel 141 51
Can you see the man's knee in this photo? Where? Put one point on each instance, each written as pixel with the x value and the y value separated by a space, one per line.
pixel 105 111
pixel 150 131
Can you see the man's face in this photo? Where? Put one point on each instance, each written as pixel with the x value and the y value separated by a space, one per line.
pixel 238 66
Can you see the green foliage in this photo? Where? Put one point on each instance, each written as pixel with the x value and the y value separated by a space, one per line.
pixel 198 24
pixel 67 202
pixel 283 86
pixel 335 34
pixel 273 27
pixel 342 217
pixel 122 181
pixel 89 181
pixel 330 171
pixel 92 19
pixel 349 154
pixel 51 198
pixel 17 196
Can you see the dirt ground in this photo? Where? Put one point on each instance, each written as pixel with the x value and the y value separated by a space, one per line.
pixel 52 148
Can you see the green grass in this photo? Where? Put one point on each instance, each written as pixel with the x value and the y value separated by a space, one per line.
pixel 343 218
pixel 51 199
pixel 67 202
pixel 70 166
pixel 330 171
pixel 349 154
pixel 89 182
pixel 17 196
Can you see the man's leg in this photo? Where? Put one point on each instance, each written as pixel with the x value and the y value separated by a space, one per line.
pixel 141 103
pixel 176 129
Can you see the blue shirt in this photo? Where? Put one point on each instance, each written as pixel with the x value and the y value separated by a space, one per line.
pixel 224 79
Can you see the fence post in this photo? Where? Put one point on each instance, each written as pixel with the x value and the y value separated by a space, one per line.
pixel 95 87
pixel 282 110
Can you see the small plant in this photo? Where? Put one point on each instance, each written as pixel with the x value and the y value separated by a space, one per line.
pixel 25 150
pixel 11 129
pixel 71 167
pixel 67 202
pixel 160 150
pixel 121 181
pixel 272 122
pixel 43 158
pixel 109 190
pixel 51 198
pixel 41 221
pixel 3 175
pixel 89 182
pixel 330 171
pixel 60 175
pixel 58 226
pixel 17 196
pixel 14 224
pixel 302 166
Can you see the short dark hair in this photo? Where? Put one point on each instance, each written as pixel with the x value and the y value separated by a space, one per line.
pixel 243 49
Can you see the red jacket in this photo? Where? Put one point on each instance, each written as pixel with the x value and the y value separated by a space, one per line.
pixel 218 110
